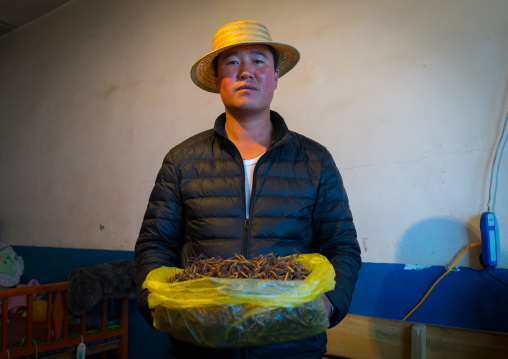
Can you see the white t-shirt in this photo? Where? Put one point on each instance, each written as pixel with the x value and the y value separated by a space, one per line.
pixel 249 165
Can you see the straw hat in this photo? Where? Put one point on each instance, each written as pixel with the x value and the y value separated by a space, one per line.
pixel 237 33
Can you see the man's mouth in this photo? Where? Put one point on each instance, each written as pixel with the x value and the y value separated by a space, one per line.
pixel 246 87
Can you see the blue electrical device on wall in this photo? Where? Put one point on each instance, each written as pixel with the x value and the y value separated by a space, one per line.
pixel 489 232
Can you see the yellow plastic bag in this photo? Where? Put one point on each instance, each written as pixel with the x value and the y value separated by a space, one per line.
pixel 226 313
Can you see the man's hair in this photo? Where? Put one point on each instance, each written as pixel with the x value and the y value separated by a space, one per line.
pixel 215 62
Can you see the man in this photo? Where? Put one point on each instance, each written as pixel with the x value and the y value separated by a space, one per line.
pixel 249 186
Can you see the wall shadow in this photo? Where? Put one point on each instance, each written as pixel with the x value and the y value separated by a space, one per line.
pixel 437 241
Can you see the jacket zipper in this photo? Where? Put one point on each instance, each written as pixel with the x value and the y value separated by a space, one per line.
pixel 245 241
pixel 245 248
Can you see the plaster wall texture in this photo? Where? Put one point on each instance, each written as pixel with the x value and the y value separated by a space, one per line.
pixel 409 97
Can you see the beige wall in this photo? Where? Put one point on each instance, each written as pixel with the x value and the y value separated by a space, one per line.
pixel 408 96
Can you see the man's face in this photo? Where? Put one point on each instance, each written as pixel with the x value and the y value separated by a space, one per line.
pixel 247 79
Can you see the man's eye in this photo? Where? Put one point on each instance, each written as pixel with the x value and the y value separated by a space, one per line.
pixel 258 61
pixel 232 62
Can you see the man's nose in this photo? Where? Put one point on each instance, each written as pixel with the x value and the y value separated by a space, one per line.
pixel 245 71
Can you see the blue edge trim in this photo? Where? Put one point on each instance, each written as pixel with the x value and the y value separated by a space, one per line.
pixel 468 298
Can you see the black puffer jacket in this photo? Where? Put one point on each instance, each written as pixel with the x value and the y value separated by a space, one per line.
pixel 298 202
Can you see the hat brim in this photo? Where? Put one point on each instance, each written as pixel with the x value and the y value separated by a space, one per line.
pixel 203 73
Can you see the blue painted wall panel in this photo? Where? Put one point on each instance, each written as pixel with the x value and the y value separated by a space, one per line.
pixel 467 298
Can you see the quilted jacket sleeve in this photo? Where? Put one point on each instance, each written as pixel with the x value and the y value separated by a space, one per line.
pixel 162 231
pixel 335 236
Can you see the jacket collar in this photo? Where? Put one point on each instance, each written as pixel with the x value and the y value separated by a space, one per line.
pixel 281 131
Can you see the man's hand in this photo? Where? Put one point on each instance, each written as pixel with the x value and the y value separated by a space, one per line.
pixel 328 305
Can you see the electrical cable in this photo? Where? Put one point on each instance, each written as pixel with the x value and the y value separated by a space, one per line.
pixel 479 244
pixel 36 349
pixel 494 162
pixel 499 280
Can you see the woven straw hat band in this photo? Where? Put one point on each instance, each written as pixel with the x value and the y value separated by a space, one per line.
pixel 240 31
pixel 236 34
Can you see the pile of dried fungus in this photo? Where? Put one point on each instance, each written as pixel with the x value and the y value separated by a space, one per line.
pixel 262 267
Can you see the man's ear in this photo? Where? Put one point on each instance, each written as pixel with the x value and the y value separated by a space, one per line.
pixel 217 84
pixel 276 78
